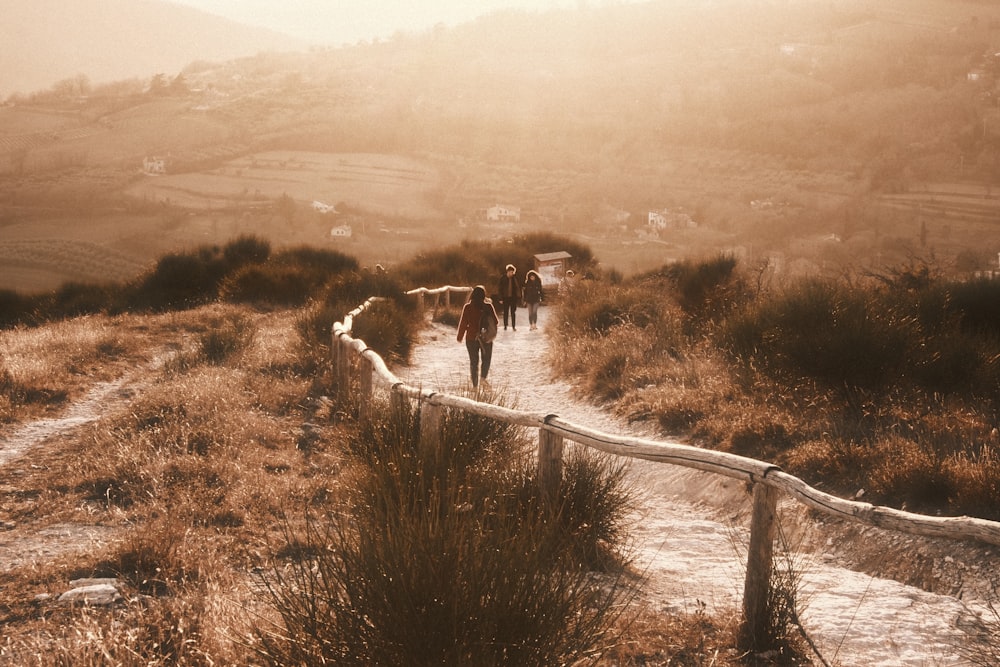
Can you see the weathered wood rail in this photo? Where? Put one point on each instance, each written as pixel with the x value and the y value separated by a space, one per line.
pixel 352 358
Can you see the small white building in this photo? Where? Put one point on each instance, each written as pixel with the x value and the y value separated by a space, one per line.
pixel 154 165
pixel 667 219
pixel 341 232
pixel 499 213
pixel 320 207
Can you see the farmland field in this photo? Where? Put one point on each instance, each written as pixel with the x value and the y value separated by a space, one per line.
pixel 381 184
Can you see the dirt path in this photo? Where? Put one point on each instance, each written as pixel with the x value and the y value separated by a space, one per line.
pixel 691 527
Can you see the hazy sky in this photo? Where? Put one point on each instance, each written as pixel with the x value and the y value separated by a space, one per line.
pixel 347 21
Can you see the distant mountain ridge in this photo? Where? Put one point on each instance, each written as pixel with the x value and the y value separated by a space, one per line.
pixel 46 41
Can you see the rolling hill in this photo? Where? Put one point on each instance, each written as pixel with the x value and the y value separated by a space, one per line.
pixel 43 42
pixel 808 135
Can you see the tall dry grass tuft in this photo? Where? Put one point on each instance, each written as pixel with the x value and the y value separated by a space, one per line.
pixel 980 645
pixel 446 556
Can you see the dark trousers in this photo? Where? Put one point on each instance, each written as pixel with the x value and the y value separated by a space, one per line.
pixel 510 309
pixel 532 313
pixel 477 350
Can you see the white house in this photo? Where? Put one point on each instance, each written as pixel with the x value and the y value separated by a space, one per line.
pixel 342 232
pixel 154 165
pixel 657 221
pixel 498 213
pixel 323 208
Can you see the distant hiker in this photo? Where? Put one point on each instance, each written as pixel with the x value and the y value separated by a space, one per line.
pixel 478 328
pixel 533 294
pixel 509 291
pixel 566 284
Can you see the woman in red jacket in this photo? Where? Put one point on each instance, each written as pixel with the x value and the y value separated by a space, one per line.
pixel 473 329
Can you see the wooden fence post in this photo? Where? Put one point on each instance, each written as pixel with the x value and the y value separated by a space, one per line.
pixel 344 368
pixel 430 426
pixel 398 402
pixel 366 369
pixel 757 587
pixel 447 298
pixel 550 463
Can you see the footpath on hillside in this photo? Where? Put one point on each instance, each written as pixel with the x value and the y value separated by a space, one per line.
pixel 690 529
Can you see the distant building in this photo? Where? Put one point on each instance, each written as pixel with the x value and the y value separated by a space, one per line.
pixel 323 208
pixel 498 213
pixel 154 165
pixel 657 221
pixel 342 231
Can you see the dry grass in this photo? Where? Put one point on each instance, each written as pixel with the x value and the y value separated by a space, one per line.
pixel 188 486
pixel 187 478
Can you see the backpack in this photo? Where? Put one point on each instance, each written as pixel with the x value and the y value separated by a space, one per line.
pixel 487 325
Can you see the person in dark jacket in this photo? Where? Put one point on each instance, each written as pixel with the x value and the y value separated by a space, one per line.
pixel 509 291
pixel 469 328
pixel 532 293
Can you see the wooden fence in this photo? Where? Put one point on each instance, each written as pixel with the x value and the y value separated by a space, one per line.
pixel 352 358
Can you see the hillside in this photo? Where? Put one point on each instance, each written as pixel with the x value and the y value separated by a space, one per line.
pixel 803 136
pixel 43 42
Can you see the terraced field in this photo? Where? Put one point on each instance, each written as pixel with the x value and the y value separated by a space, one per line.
pixel 383 184
pixel 54 261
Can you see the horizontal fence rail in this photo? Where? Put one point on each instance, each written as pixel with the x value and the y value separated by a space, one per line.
pixel 352 355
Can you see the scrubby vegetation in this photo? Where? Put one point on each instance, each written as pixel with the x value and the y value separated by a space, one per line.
pixel 245 512
pixel 881 385
pixel 255 506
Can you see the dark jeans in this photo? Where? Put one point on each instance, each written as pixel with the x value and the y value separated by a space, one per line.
pixel 510 308
pixel 476 348
pixel 532 313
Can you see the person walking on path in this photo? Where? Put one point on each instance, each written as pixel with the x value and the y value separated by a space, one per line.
pixel 509 291
pixel 474 327
pixel 532 293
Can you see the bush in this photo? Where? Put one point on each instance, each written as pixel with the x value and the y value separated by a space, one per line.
pixel 16 309
pixel 233 336
pixel 846 340
pixel 246 250
pixel 180 280
pixel 282 285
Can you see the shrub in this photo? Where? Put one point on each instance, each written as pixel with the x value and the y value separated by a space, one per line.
pixel 977 305
pixel 246 249
pixel 73 299
pixel 233 336
pixel 842 338
pixel 707 287
pixel 277 284
pixel 180 280
pixel 386 330
pixel 15 309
